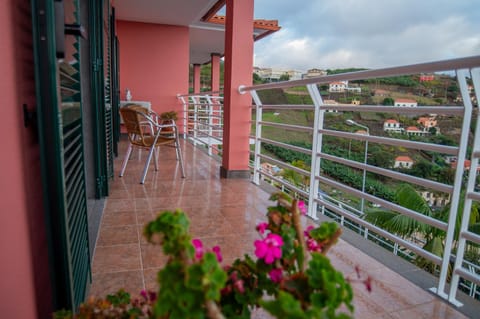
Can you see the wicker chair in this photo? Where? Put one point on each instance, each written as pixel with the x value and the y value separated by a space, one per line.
pixel 145 132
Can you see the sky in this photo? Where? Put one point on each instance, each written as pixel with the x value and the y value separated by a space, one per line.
pixel 333 34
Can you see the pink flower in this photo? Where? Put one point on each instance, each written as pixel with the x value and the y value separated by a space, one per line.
pixel 216 250
pixel 302 208
pixel 262 227
pixel 238 285
pixel 276 275
pixel 307 231
pixel 270 248
pixel 313 246
pixel 197 243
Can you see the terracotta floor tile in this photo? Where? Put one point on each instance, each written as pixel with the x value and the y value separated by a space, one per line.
pixel 110 219
pixel 433 309
pixel 116 258
pixel 118 235
pixel 108 283
pixel 152 256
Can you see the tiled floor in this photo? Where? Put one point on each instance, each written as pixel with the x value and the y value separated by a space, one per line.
pixel 223 212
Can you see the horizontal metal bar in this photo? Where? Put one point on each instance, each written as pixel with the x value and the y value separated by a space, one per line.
pixel 430 67
pixel 287 146
pixel 475 238
pixel 287 126
pixel 287 185
pixel 418 250
pixel 284 165
pixel 448 110
pixel 397 208
pixel 450 150
pixel 474 196
pixel 287 107
pixel 203 94
pixel 462 272
pixel 393 174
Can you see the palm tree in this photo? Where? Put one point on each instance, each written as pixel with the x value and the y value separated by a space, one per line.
pixel 406 227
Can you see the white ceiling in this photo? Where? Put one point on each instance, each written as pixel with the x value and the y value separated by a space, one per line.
pixel 205 38
pixel 174 12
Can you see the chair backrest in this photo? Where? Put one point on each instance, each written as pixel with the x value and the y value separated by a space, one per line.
pixel 134 121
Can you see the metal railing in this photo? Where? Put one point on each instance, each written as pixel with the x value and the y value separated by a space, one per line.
pixel 203 120
pixel 323 133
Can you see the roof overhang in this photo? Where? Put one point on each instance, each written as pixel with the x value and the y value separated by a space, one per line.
pixel 207 29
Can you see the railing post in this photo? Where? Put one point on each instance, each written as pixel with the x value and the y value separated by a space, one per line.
pixel 210 123
pixel 457 186
pixel 470 184
pixel 185 115
pixel 196 103
pixel 258 135
pixel 316 148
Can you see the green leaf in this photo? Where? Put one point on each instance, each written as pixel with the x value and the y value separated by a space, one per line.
pixel 285 306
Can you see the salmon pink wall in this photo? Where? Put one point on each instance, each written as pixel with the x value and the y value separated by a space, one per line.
pixel 154 61
pixel 24 277
pixel 238 71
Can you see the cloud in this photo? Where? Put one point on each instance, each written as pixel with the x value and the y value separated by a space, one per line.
pixel 367 33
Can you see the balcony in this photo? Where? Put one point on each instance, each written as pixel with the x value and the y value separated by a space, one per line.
pixel 225 211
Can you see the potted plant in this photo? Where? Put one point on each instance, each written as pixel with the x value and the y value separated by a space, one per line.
pixel 289 277
pixel 168 118
pixel 170 115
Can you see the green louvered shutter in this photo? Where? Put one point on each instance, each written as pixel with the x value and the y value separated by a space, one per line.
pixel 107 53
pixel 58 90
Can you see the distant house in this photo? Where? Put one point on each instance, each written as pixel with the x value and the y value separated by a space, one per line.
pixel 270 168
pixel 427 122
pixel 314 73
pixel 380 92
pixel 392 126
pixel 406 102
pixel 427 77
pixel 466 166
pixel 331 102
pixel 415 131
pixel 450 159
pixel 356 89
pixel 403 162
pixel 361 132
pixel 338 86
pixel 435 200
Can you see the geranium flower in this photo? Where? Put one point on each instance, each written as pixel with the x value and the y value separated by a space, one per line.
pixel 262 227
pixel 269 248
pixel 216 250
pixel 276 275
pixel 197 243
pixel 306 232
pixel 313 246
pixel 302 208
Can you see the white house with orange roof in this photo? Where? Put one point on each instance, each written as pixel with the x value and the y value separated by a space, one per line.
pixel 466 166
pixel 415 131
pixel 339 86
pixel 403 162
pixel 406 102
pixel 392 125
pixel 427 122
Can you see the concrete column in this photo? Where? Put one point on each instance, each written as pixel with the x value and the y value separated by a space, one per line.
pixel 196 78
pixel 215 76
pixel 238 71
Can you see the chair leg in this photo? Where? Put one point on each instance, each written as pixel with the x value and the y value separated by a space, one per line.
pixel 147 164
pixel 125 160
pixel 155 157
pixel 179 156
